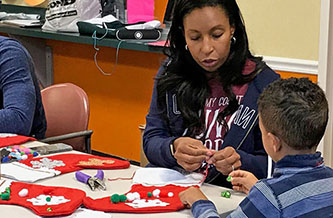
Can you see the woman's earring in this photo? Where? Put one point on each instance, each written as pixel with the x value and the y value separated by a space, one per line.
pixel 186 47
pixel 233 40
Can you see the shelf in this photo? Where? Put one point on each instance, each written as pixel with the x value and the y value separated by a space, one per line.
pixel 70 37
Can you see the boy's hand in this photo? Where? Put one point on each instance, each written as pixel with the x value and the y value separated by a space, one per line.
pixel 191 195
pixel 242 180
pixel 190 153
pixel 225 160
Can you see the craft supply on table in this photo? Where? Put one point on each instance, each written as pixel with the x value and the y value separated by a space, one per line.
pixel 42 200
pixel 140 199
pixel 115 198
pixel 53 148
pixel 93 182
pixel 17 153
pixel 226 194
pixel 32 170
pixel 6 194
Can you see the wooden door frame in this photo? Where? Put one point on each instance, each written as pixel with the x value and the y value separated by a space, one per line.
pixel 325 74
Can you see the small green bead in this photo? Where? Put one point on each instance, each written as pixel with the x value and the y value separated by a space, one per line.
pixel 49 209
pixel 149 194
pixel 226 194
pixel 115 198
pixel 48 199
pixel 5 196
pixel 229 178
pixel 122 198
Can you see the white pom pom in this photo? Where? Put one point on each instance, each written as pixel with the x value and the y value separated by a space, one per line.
pixel 170 194
pixel 23 192
pixel 156 193
pixel 24 157
pixel 130 196
pixel 136 196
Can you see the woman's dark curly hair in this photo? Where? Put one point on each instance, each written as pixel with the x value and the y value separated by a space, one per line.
pixel 184 77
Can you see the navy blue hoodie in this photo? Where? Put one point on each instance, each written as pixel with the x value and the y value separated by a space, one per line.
pixel 21 108
pixel 244 134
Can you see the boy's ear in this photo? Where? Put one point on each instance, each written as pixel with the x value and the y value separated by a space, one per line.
pixel 275 142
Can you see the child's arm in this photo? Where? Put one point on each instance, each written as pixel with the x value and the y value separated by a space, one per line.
pixel 201 206
pixel 242 180
pixel 191 195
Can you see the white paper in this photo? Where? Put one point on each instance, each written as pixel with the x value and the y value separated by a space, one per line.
pixel 23 23
pixel 156 176
pixel 86 213
pixel 24 173
pixel 145 26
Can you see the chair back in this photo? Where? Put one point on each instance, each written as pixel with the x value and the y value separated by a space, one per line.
pixel 67 110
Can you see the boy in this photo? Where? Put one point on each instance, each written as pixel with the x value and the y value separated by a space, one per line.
pixel 293 115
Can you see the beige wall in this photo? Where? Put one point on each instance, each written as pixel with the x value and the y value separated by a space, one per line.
pixel 283 28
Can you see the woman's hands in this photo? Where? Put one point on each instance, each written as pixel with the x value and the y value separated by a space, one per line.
pixel 190 153
pixel 225 160
pixel 191 195
pixel 242 180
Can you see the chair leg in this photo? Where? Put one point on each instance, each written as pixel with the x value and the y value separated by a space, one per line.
pixel 88 145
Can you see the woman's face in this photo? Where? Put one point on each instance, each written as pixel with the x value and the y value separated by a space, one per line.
pixel 207 34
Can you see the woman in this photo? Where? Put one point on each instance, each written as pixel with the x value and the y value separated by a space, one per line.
pixel 204 103
pixel 21 108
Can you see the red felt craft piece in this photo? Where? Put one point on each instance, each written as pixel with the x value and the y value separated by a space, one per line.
pixel 74 162
pixel 14 140
pixel 105 204
pixel 75 197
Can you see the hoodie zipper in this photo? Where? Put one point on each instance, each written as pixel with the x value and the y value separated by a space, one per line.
pixel 248 131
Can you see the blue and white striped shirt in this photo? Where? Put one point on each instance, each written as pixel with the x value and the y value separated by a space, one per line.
pixel 301 186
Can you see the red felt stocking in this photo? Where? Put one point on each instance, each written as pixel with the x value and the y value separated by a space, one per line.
pixel 44 200
pixel 142 199
pixel 66 163
pixel 12 139
pixel 32 170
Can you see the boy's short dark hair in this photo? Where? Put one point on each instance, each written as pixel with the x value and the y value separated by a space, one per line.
pixel 295 110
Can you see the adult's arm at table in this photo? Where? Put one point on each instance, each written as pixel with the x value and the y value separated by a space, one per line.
pixel 157 137
pixel 17 88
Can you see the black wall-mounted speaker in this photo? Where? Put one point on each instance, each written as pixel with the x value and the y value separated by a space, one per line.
pixel 140 34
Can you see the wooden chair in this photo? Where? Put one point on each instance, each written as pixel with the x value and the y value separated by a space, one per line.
pixel 67 114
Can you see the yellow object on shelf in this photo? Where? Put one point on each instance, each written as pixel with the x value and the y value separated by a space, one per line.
pixel 34 2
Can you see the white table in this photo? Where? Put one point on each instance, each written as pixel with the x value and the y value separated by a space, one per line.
pixel 223 205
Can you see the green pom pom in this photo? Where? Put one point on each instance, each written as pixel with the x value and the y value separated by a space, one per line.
pixel 149 194
pixel 48 199
pixel 8 190
pixel 5 196
pixel 226 194
pixel 115 198
pixel 49 209
pixel 229 178
pixel 123 198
